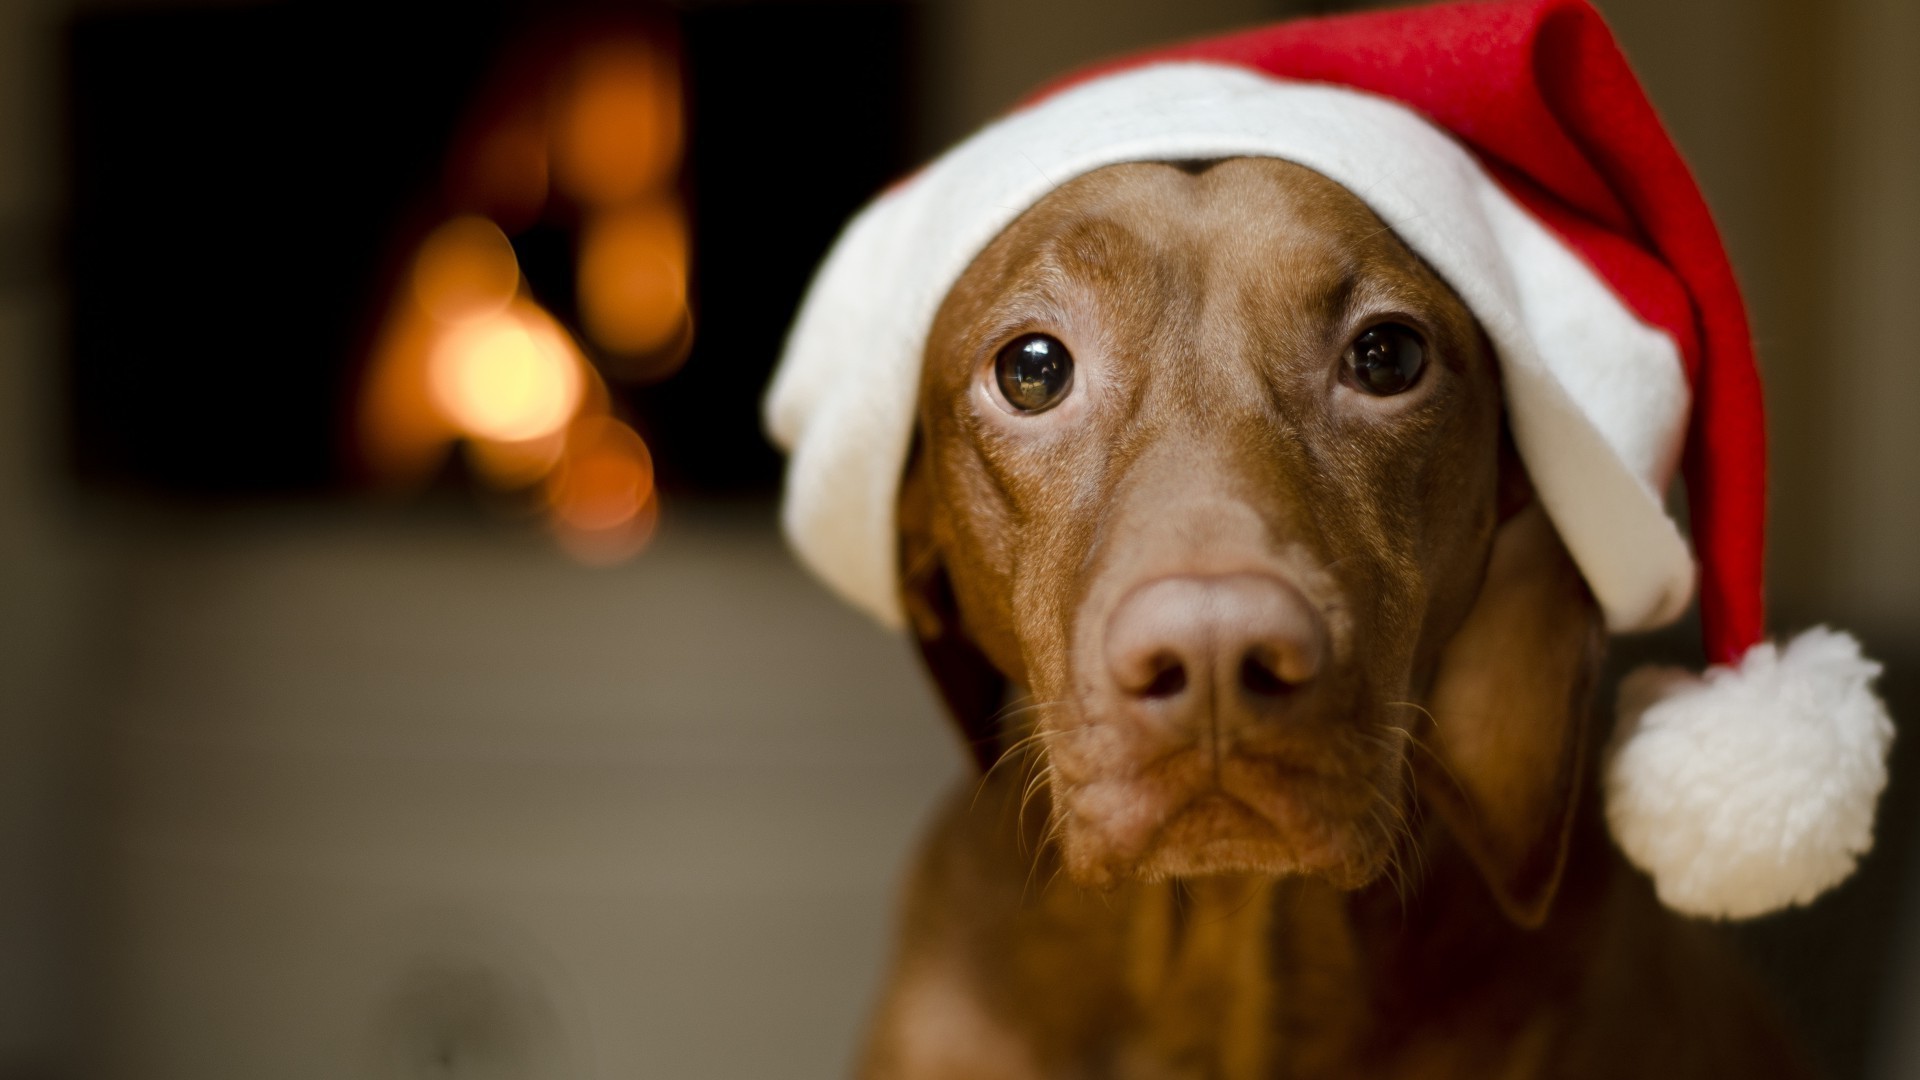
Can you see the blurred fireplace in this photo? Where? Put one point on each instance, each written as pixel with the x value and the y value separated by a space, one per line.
pixel 248 184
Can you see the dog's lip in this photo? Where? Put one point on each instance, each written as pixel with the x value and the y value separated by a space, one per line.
pixel 1258 813
pixel 1271 766
pixel 1261 782
pixel 1192 765
pixel 1215 830
pixel 1221 803
pixel 1229 786
pixel 1273 769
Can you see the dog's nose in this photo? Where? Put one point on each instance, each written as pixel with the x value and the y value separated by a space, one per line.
pixel 1237 645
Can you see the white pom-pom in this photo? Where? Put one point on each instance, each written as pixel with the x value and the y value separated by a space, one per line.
pixel 1751 788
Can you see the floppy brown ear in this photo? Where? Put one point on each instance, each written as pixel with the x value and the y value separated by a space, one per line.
pixel 1509 701
pixel 972 689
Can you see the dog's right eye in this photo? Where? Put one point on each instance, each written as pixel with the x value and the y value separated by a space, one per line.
pixel 1386 359
pixel 1034 371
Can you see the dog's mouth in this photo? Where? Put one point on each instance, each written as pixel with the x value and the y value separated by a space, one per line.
pixel 1195 813
pixel 1213 833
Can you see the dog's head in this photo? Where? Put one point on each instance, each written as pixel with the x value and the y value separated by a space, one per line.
pixel 1215 468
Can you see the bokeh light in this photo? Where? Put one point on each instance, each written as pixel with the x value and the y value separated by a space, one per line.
pixel 514 466
pixel 633 277
pixel 468 358
pixel 605 477
pixel 465 269
pixel 402 436
pixel 617 131
pixel 510 376
pixel 601 495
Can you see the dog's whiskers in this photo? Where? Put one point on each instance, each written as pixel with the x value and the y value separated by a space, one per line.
pixel 1039 780
pixel 1414 739
pixel 1048 836
pixel 1404 854
pixel 1020 748
pixel 1396 870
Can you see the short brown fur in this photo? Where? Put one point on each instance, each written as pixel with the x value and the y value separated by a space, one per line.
pixel 1402 873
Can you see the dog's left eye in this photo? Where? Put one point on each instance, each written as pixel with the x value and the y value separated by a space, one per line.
pixel 1034 371
pixel 1386 359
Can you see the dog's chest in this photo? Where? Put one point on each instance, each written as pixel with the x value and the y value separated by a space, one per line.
pixel 1234 980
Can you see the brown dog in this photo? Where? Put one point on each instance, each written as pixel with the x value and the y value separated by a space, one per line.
pixel 1214 468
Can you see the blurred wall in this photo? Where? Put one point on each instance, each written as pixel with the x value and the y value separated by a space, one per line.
pixel 44 584
pixel 983 55
pixel 1866 352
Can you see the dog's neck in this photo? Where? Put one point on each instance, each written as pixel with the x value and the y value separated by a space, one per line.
pixel 1258 976
pixel 1237 971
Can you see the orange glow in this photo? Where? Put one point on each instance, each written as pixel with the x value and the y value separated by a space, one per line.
pixel 467 357
pixel 507 173
pixel 402 436
pixel 510 376
pixel 605 477
pixel 610 547
pixel 657 363
pixel 601 494
pixel 511 466
pixel 617 134
pixel 465 269
pixel 633 278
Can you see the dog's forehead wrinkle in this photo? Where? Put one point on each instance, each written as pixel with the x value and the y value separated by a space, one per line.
pixel 1090 244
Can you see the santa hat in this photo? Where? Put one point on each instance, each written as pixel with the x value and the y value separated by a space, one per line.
pixel 1509 145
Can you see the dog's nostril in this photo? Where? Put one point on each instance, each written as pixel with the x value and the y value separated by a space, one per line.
pixel 1260 679
pixel 1169 680
pixel 1195 644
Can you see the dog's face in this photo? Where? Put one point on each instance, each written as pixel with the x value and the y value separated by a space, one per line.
pixel 1213 465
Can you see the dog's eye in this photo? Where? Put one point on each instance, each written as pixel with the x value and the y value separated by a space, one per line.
pixel 1034 372
pixel 1386 359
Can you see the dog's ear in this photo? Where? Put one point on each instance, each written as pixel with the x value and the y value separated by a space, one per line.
pixel 972 689
pixel 1509 706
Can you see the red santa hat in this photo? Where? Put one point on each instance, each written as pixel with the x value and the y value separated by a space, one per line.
pixel 1509 144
